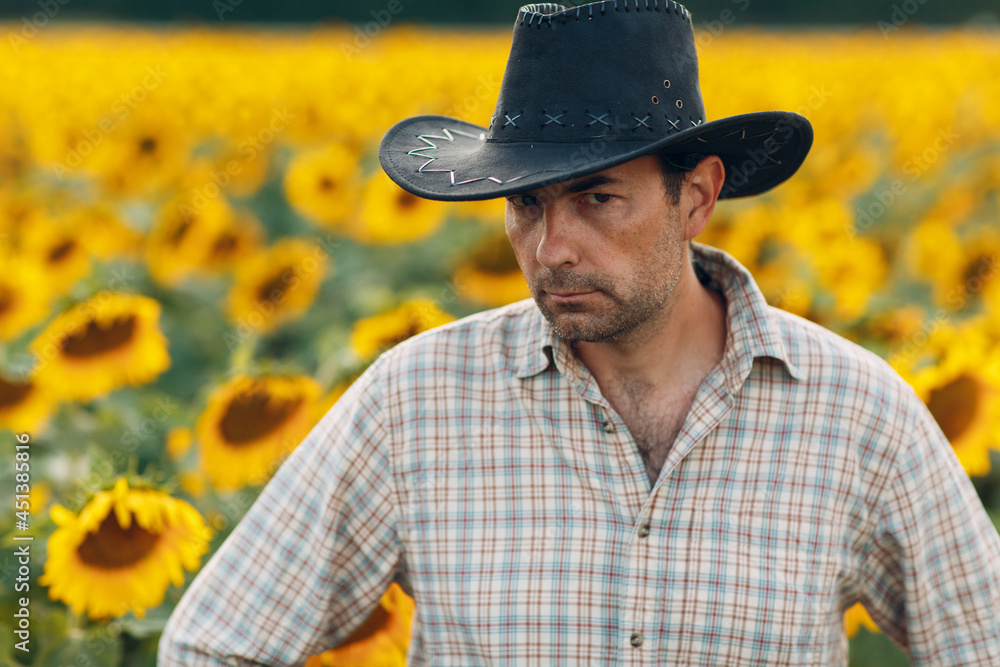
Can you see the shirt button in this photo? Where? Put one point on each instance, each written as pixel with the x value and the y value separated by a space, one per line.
pixel 609 427
pixel 636 639
pixel 644 530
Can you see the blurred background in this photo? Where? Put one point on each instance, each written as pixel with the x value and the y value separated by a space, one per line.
pixel 199 253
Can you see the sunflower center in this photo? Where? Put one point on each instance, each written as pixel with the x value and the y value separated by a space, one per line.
pixel 60 251
pixel 274 289
pixel 224 245
pixel 147 145
pixel 6 300
pixel 405 200
pixel 326 184
pixel 977 273
pixel 12 393
pixel 254 415
pixel 112 546
pixel 178 232
pixel 954 405
pixel 96 339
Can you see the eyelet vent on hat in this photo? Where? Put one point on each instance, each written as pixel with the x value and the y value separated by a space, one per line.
pixel 549 12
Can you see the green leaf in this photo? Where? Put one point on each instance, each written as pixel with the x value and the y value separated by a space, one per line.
pixel 95 647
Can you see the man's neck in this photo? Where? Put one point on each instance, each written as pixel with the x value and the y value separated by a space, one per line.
pixel 682 343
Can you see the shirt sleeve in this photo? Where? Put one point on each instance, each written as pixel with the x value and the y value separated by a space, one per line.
pixel 930 578
pixel 311 558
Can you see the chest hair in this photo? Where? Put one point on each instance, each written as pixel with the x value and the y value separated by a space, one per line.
pixel 653 418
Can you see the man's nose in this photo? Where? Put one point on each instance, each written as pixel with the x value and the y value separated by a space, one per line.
pixel 559 243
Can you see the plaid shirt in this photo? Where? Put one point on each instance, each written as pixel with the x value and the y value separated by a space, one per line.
pixel 479 465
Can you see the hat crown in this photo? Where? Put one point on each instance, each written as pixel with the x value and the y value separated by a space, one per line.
pixel 618 69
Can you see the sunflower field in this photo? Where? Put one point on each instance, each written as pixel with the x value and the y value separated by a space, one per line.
pixel 199 253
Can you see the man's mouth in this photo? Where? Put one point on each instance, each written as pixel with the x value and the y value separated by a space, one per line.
pixel 566 297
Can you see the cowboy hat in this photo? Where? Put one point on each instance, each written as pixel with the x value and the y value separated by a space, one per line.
pixel 587 88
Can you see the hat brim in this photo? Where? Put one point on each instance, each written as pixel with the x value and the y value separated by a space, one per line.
pixel 442 158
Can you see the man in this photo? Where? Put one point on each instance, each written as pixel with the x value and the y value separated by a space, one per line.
pixel 645 464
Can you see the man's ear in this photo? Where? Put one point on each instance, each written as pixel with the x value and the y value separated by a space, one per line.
pixel 699 193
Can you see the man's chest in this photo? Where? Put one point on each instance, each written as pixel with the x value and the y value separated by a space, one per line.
pixel 654 422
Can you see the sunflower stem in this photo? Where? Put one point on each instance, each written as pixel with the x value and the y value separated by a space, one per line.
pixel 76 623
pixel 243 354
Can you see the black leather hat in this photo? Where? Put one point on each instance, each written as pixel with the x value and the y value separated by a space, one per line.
pixel 588 88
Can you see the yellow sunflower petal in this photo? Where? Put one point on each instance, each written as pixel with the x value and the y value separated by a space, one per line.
pixel 106 342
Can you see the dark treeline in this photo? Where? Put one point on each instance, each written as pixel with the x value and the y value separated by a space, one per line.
pixel 707 13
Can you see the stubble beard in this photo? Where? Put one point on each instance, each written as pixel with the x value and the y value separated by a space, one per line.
pixel 632 305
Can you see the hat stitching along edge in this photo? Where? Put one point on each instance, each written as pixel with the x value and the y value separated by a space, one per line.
pixel 449 136
pixel 546 12
pixel 510 117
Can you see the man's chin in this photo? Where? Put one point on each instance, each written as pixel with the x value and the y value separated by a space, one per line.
pixel 577 326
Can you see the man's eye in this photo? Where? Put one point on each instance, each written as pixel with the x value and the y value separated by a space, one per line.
pixel 597 198
pixel 523 200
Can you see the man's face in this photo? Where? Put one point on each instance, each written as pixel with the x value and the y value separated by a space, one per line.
pixel 602 254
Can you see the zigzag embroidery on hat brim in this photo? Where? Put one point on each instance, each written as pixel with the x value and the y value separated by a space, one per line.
pixel 448 136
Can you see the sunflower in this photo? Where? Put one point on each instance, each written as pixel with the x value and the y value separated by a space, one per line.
pixel 277 284
pixel 123 551
pixel 489 211
pixel 194 482
pixel 250 424
pixel 960 270
pixel 179 440
pixel 851 271
pixel 855 617
pixel 492 275
pixel 145 156
pixel 23 405
pixel 241 172
pixel 235 242
pixel 957 375
pixel 185 235
pixel 14 157
pixel 103 233
pixel 886 330
pixel 372 335
pixel 25 296
pixel 106 342
pixel 56 247
pixel 322 185
pixel 390 214
pixel 758 238
pixel 381 641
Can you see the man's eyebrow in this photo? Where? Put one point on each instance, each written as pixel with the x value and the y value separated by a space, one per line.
pixel 592 182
